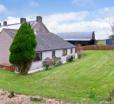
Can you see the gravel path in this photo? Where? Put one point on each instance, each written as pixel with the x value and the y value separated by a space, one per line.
pixel 5 98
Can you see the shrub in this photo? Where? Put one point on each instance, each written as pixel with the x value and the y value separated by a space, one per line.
pixel 57 61
pixel 47 63
pixel 70 58
pixel 22 49
pixel 79 54
pixel 78 50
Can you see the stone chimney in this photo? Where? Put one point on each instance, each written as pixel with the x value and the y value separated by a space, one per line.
pixel 22 20
pixel 5 23
pixel 38 19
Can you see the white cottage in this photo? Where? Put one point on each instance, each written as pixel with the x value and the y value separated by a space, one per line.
pixel 49 44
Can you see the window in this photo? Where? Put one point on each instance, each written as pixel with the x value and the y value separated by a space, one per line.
pixel 38 56
pixel 71 50
pixel 53 53
pixel 64 52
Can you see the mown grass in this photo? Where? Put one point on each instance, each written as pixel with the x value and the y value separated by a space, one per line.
pixel 101 42
pixel 71 81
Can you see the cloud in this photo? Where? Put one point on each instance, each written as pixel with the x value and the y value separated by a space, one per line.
pixel 56 22
pixel 2 8
pixel 78 22
pixel 82 2
pixel 103 12
pixel 12 20
pixel 33 4
pixel 102 28
pixel 70 16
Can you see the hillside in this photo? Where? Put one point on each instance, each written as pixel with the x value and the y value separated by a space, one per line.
pixel 71 81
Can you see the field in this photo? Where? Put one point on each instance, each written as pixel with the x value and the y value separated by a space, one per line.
pixel 103 42
pixel 72 81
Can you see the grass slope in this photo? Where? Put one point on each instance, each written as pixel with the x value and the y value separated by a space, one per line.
pixel 101 42
pixel 71 81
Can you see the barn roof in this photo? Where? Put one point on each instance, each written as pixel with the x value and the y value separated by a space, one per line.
pixel 76 36
pixel 45 39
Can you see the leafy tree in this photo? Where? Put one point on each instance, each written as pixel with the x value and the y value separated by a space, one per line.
pixel 22 49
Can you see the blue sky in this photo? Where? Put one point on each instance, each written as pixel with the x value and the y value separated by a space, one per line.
pixel 63 15
pixel 44 7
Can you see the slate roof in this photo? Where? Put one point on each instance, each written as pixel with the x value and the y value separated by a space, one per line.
pixel 50 41
pixel 76 36
pixel 10 32
pixel 39 27
pixel 45 39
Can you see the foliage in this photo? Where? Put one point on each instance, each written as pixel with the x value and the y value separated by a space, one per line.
pixel 79 54
pixel 70 58
pixel 22 49
pixel 47 63
pixel 79 50
pixel 57 61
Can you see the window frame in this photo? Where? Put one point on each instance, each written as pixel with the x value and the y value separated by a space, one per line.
pixel 64 52
pixel 71 50
pixel 53 53
pixel 38 56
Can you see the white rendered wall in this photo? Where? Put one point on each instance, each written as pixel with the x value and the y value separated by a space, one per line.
pixel 46 54
pixel 58 53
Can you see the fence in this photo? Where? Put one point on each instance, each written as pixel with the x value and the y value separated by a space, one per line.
pixel 97 47
pixel 8 67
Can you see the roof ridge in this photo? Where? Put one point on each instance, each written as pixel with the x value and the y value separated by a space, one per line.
pixel 78 32
pixel 16 23
pixel 8 29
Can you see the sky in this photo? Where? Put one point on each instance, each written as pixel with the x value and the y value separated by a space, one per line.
pixel 63 15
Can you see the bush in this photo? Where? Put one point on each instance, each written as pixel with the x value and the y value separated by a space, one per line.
pixel 70 58
pixel 47 63
pixel 22 49
pixel 79 50
pixel 57 61
pixel 79 54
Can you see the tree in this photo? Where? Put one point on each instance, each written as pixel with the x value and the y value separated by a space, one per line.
pixel 22 49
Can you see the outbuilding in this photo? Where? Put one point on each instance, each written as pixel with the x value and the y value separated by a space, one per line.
pixel 82 38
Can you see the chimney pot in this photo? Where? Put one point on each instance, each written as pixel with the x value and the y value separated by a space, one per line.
pixel 5 23
pixel 39 18
pixel 22 20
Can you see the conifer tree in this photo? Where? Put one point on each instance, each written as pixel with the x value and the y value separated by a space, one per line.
pixel 22 49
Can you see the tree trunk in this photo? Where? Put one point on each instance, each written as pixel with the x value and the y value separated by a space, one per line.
pixel 24 68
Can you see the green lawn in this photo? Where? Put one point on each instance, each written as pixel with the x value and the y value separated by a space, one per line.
pixel 71 81
pixel 103 42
